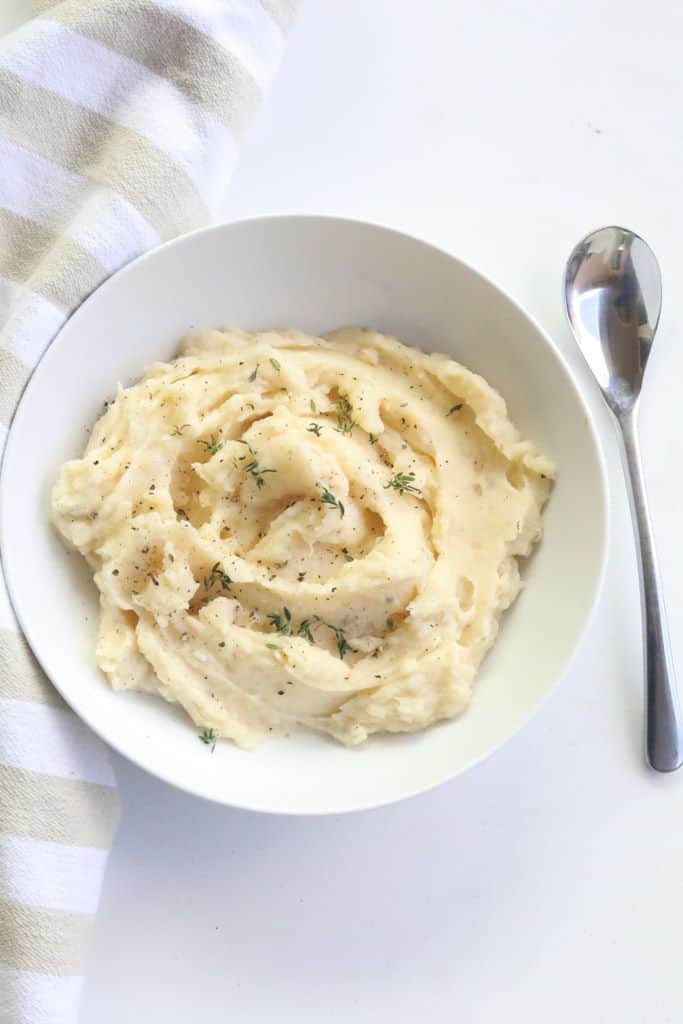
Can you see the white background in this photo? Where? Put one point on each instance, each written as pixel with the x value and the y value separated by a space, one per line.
pixel 546 884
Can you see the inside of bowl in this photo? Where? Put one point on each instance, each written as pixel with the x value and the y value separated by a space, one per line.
pixel 315 274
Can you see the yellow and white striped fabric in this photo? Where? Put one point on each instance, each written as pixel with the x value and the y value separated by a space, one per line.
pixel 119 124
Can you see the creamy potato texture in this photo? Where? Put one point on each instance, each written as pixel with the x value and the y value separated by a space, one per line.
pixel 287 529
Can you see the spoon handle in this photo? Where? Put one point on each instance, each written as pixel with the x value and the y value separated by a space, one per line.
pixel 663 733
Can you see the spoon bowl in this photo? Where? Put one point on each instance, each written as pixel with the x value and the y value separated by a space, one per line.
pixel 613 296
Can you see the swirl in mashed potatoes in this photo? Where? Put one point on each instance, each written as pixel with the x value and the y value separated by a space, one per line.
pixel 287 529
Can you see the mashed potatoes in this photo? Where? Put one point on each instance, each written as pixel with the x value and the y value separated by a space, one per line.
pixel 295 530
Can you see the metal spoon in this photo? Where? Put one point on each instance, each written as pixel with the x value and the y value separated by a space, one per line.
pixel 613 297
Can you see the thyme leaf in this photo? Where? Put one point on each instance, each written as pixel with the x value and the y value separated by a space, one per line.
pixel 403 482
pixel 345 423
pixel 282 623
pixel 209 737
pixel 254 468
pixel 328 498
pixel 217 575
pixel 211 446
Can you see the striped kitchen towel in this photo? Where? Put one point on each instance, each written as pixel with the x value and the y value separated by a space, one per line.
pixel 119 123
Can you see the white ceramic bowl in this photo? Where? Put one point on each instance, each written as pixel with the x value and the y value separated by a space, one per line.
pixel 315 273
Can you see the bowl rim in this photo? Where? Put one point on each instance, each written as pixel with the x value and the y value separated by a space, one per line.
pixel 292 810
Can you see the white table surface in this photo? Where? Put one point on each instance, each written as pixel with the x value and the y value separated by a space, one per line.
pixel 547 883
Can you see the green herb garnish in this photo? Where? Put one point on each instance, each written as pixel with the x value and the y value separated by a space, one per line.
pixel 314 407
pixel 344 409
pixel 372 438
pixel 328 498
pixel 343 646
pixel 282 623
pixel 211 446
pixel 403 482
pixel 178 431
pixel 209 737
pixel 254 468
pixel 315 428
pixel 217 575
pixel 273 647
pixel 252 376
pixel 347 556
pixel 275 364
pixel 455 408
pixel 305 629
